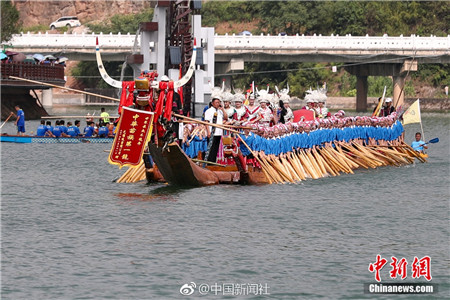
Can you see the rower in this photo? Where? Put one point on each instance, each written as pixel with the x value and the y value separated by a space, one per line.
pixel 42 129
pixel 418 144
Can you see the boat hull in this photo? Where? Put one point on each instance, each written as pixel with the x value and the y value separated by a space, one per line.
pixel 53 140
pixel 178 169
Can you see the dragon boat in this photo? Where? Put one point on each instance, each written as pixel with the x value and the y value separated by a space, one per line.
pixel 290 157
pixel 53 140
pixel 304 147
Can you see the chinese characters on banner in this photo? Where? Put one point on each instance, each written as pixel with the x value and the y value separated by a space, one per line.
pixel 133 133
pixel 419 267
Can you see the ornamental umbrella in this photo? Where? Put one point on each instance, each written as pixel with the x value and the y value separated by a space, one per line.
pixel 11 53
pixel 19 57
pixel 29 60
pixel 49 57
pixel 39 57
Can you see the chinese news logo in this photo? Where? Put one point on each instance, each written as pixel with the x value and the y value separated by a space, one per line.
pixel 399 270
pixel 419 267
pixel 225 289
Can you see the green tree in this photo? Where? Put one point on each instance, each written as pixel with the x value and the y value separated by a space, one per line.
pixel 123 23
pixel 10 21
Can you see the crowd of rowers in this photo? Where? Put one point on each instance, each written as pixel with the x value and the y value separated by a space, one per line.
pixel 271 128
pixel 60 129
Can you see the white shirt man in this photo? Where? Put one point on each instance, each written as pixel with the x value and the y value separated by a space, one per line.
pixel 215 114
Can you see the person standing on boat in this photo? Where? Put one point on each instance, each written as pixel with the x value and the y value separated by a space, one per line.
pixel 240 114
pixel 286 114
pixel 215 114
pixel 418 144
pixel 322 111
pixel 252 108
pixel 104 116
pixel 265 114
pixel 20 121
pixel 230 110
pixel 388 108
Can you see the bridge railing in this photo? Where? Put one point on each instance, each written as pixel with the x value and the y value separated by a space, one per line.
pixel 332 42
pixel 64 41
pixel 298 42
pixel 46 73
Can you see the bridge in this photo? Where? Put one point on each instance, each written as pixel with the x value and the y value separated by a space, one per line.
pixel 365 55
pixel 253 48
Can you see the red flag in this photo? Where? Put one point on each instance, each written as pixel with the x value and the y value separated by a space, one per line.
pixel 132 135
pixel 126 98
pixel 164 104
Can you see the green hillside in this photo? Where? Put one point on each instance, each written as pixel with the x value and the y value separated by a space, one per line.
pixel 337 17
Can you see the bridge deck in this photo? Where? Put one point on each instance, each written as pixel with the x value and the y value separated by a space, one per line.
pixel 252 48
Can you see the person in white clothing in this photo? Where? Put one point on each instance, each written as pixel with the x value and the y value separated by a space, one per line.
pixel 217 115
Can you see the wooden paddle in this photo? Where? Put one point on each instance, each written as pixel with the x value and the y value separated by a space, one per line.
pixel 64 88
pixel 10 115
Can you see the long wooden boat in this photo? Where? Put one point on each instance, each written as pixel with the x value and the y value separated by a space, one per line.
pixel 53 140
pixel 178 169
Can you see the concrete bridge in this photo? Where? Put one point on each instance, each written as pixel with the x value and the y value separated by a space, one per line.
pixel 253 48
pixel 365 55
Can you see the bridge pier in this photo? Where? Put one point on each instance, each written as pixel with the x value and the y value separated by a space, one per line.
pixel 398 90
pixel 361 93
pixel 47 98
pixel 397 71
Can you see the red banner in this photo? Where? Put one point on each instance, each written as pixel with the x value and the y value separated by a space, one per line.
pixel 132 135
pixel 126 98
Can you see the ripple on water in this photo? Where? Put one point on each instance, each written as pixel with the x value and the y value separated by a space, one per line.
pixel 68 231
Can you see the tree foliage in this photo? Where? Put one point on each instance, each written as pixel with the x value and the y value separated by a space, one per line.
pixel 10 20
pixel 123 23
pixel 374 18
pixel 337 17
pixel 117 23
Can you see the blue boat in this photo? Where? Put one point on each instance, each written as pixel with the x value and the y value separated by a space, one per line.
pixel 54 140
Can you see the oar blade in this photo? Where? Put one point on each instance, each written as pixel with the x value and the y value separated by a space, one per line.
pixel 434 141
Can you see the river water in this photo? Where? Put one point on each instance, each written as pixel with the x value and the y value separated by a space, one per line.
pixel 70 232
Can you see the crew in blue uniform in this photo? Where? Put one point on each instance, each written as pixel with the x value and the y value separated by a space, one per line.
pixel 20 121
pixel 56 130
pixel 42 129
pixel 49 127
pixel 89 130
pixel 63 128
pixel 72 130
pixel 103 130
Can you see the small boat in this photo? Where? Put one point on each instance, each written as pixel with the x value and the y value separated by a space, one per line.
pixel 423 155
pixel 54 140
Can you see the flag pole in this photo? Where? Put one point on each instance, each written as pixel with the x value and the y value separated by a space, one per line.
pixel 420 117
